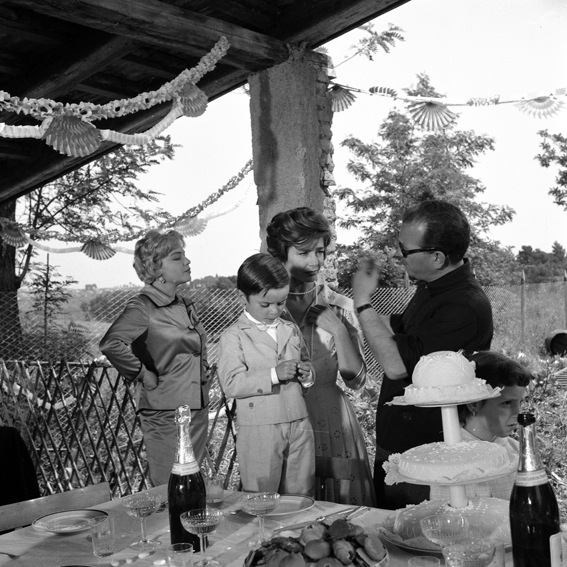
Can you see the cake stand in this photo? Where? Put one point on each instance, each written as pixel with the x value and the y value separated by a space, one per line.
pixel 452 435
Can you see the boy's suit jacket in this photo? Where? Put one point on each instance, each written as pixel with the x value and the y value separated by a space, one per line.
pixel 246 357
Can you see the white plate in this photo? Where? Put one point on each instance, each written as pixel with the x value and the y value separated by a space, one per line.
pixel 408 545
pixel 67 522
pixel 290 504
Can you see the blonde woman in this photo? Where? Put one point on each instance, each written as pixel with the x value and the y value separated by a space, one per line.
pixel 159 343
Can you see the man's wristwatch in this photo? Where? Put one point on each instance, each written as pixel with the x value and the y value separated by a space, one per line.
pixel 362 308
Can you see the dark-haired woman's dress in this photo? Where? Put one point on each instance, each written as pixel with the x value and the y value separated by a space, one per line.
pixel 335 424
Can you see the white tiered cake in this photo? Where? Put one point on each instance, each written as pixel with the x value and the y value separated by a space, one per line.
pixel 446 379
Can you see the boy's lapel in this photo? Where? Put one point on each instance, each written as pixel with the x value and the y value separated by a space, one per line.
pixel 256 336
pixel 285 331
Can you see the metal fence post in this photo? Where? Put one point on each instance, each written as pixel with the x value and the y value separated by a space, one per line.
pixel 565 295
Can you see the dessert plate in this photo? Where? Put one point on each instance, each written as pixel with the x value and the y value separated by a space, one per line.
pixel 290 504
pixel 408 545
pixel 67 522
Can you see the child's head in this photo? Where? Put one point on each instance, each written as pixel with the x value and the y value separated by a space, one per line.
pixel 263 286
pixel 496 417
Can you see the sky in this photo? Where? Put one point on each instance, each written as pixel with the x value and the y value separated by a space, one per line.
pixel 469 48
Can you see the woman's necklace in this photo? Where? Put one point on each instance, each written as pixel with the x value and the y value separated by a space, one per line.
pixel 313 325
pixel 304 292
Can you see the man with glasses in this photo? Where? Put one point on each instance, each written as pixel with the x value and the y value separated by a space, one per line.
pixel 449 311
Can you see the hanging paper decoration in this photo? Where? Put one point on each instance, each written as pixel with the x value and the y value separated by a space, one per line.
pixel 188 224
pixel 386 91
pixel 12 234
pixel 68 127
pixel 191 227
pixel 541 107
pixel 72 136
pixel 96 250
pixel 193 100
pixel 431 115
pixel 341 98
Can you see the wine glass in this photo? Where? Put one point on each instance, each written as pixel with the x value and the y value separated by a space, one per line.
pixel 444 529
pixel 260 504
pixel 141 506
pixel 476 553
pixel 202 522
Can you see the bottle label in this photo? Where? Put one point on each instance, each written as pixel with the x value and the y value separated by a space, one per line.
pixel 531 478
pixel 185 468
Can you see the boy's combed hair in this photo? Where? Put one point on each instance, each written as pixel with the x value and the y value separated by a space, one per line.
pixel 260 273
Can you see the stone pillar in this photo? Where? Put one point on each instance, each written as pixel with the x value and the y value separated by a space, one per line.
pixel 291 117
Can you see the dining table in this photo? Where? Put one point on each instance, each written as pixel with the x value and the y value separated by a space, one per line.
pixel 229 544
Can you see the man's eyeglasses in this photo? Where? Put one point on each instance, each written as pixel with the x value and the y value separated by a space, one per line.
pixel 406 253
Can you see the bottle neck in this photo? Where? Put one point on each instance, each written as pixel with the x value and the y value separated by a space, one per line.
pixel 185 461
pixel 529 455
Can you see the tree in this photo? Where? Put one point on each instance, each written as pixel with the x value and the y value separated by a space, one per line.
pixel 406 166
pixel 542 267
pixel 554 151
pixel 99 201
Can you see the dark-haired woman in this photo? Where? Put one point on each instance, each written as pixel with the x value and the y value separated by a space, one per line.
pixel 159 343
pixel 299 238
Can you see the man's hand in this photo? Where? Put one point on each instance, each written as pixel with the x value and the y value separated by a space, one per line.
pixel 365 281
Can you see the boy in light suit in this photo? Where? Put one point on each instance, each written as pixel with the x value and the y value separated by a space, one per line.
pixel 264 364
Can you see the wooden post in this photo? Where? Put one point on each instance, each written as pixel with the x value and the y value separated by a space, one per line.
pixel 291 117
pixel 523 311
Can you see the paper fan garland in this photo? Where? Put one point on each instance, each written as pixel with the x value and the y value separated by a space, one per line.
pixel 96 250
pixel 384 91
pixel 431 115
pixel 193 100
pixel 541 106
pixel 72 136
pixel 191 227
pixel 12 234
pixel 341 98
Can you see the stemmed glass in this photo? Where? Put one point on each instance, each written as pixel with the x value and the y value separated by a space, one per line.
pixel 477 553
pixel 202 522
pixel 260 504
pixel 141 506
pixel 445 529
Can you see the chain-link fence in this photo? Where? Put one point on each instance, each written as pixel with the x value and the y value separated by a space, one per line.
pixel 524 316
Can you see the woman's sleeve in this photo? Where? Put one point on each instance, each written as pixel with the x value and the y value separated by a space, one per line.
pixel 116 345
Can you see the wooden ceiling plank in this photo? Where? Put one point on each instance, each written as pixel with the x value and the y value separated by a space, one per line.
pixel 306 23
pixel 150 68
pixel 76 63
pixel 166 26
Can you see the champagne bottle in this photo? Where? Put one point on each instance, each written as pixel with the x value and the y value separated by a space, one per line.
pixel 186 488
pixel 534 514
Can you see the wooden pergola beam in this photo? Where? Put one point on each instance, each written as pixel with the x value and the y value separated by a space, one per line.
pixel 167 27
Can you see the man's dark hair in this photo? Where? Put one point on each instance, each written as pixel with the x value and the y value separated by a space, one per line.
pixel 261 273
pixel 447 228
pixel 297 227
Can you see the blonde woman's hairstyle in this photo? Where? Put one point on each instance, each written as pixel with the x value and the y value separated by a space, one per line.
pixel 151 250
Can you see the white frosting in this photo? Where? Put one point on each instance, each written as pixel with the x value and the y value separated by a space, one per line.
pixel 443 368
pixel 445 376
pixel 490 516
pixel 464 461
